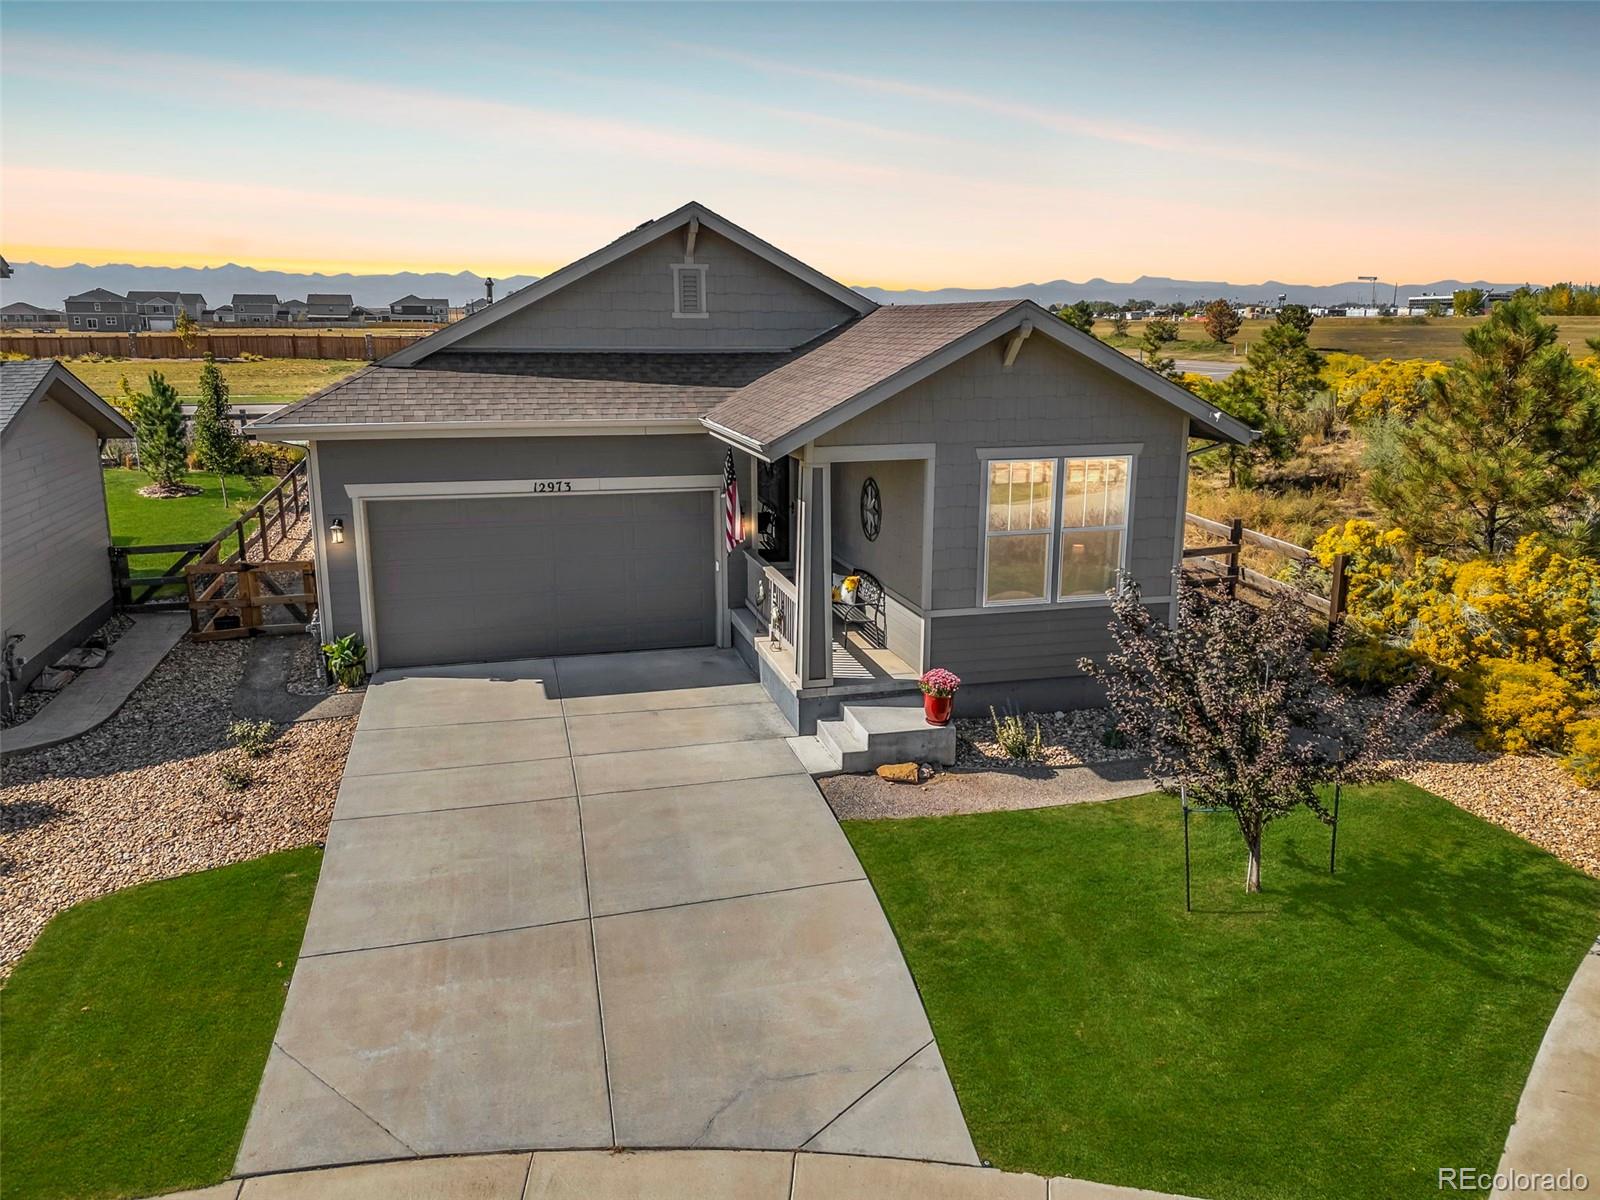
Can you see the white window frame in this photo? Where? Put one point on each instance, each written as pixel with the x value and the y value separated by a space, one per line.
pixel 77 322
pixel 93 323
pixel 677 292
pixel 1060 456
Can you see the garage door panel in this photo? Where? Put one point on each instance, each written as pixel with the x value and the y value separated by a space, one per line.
pixel 469 579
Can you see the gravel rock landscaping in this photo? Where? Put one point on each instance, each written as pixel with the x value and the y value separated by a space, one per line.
pixel 1069 739
pixel 146 795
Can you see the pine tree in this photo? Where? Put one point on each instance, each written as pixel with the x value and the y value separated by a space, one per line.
pixel 163 449
pixel 217 447
pixel 1508 441
pixel 1286 370
pixel 1296 316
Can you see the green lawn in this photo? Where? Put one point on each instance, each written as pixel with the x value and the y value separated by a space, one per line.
pixel 265 381
pixel 1337 1036
pixel 140 521
pixel 137 1028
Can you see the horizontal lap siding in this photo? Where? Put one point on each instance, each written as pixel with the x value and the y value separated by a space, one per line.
pixel 1050 397
pixel 54 567
pixel 998 646
pixel 628 305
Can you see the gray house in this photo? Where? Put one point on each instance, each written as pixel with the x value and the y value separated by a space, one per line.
pixel 160 310
pixel 417 308
pixel 252 308
pixel 19 314
pixel 327 308
pixel 544 477
pixel 55 575
pixel 100 311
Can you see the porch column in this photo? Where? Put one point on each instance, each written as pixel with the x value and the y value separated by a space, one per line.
pixel 814 578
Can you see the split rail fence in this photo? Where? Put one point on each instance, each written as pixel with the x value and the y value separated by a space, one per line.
pixel 226 589
pixel 1218 566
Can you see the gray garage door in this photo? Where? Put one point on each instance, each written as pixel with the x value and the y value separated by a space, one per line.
pixel 481 579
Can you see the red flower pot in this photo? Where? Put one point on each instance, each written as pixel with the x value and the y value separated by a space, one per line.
pixel 937 708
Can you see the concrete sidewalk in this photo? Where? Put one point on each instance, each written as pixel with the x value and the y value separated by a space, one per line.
pixel 1558 1118
pixel 592 902
pixel 94 696
pixel 663 1175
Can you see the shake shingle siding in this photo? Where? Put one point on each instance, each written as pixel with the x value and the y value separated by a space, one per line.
pixel 750 305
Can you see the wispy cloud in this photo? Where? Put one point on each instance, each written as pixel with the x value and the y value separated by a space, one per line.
pixel 1048 114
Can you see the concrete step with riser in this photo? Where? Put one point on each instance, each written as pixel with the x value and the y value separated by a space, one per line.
pixel 895 730
pixel 846 745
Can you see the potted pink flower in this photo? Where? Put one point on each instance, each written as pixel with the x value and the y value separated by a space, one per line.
pixel 938 694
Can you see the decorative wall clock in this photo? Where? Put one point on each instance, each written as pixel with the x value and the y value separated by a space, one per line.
pixel 871 509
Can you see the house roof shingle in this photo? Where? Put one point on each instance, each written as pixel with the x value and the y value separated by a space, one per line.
pixel 842 365
pixel 21 381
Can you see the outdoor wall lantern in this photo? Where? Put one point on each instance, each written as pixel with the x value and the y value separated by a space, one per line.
pixel 336 530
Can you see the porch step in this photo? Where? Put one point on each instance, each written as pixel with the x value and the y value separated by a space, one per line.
pixel 871 733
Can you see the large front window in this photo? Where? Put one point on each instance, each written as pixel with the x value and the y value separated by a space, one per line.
pixel 1054 528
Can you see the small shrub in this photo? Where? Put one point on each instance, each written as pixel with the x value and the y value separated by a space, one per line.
pixel 1372 665
pixel 1519 706
pixel 1583 754
pixel 253 737
pixel 347 660
pixel 235 776
pixel 1113 738
pixel 1013 737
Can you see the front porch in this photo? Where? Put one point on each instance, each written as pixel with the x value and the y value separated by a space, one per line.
pixel 818 519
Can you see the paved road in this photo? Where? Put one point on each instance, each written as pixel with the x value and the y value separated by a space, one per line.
pixel 592 902
pixel 1210 368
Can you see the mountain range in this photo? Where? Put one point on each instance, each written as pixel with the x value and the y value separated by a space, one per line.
pixel 49 286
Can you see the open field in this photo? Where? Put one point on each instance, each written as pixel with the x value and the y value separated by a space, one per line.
pixel 1300 1042
pixel 138 1026
pixel 1435 339
pixel 269 381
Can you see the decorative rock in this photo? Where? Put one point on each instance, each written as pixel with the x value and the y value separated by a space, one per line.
pixel 84 658
pixel 899 772
pixel 52 680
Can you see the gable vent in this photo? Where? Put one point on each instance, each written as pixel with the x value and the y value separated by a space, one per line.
pixel 689 290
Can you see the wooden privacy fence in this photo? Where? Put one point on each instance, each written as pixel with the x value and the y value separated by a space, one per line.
pixel 274 344
pixel 1222 568
pixel 223 563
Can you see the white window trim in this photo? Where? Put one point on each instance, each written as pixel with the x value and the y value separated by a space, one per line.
pixel 1053 598
pixel 677 292
pixel 93 323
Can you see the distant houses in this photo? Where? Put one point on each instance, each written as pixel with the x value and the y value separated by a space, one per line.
pixel 102 311
pixel 416 308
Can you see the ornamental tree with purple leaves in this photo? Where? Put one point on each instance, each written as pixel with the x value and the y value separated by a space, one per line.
pixel 1236 705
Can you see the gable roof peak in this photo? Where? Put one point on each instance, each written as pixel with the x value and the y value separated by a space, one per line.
pixel 635 239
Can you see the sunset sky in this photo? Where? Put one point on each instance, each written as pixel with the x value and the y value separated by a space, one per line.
pixel 902 145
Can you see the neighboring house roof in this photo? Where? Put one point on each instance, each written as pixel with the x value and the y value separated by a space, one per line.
pixel 436 301
pixel 5 269
pixel 253 298
pixel 22 382
pixel 623 246
pixel 330 298
pixel 142 297
pixel 99 294
pixel 530 389
pixel 850 370
pixel 19 307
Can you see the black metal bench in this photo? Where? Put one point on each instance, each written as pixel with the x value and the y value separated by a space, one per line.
pixel 869 613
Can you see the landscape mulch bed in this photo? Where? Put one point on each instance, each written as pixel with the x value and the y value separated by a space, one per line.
pixel 144 796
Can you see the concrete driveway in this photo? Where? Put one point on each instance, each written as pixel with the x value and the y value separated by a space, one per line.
pixel 592 902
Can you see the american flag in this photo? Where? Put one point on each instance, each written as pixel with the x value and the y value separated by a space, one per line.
pixel 730 494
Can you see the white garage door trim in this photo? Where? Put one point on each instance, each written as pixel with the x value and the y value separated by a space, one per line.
pixel 362 494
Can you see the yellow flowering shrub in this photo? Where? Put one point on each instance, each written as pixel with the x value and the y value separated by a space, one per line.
pixel 1519 706
pixel 1386 388
pixel 1583 754
pixel 1374 561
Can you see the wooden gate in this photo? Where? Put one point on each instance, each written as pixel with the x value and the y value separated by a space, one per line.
pixel 232 600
